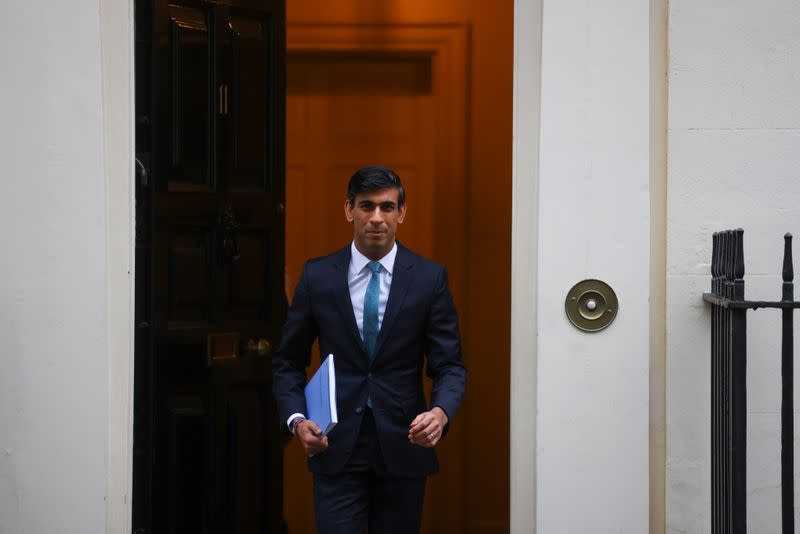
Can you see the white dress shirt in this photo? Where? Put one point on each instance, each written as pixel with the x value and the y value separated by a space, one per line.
pixel 358 277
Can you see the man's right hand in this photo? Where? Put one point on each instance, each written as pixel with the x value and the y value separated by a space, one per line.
pixel 309 433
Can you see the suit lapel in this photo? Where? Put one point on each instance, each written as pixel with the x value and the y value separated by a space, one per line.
pixel 401 280
pixel 342 295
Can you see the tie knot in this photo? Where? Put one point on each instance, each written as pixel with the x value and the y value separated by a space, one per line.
pixel 374 266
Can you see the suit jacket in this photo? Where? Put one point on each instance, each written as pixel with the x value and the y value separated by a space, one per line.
pixel 419 327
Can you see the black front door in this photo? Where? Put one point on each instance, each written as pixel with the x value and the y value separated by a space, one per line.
pixel 209 265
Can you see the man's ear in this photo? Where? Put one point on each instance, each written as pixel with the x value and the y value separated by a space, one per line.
pixel 402 214
pixel 348 211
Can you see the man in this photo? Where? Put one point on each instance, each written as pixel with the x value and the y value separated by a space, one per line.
pixel 382 311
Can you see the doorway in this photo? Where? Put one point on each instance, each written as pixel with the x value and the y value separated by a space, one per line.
pixel 483 503
pixel 398 93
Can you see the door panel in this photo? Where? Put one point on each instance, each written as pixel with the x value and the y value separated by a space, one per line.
pixel 189 274
pixel 250 144
pixel 345 111
pixel 251 290
pixel 212 266
pixel 190 103
pixel 187 477
pixel 396 94
pixel 245 407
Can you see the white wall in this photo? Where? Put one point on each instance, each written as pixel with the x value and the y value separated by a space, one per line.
pixel 594 222
pixel 734 161
pixel 53 374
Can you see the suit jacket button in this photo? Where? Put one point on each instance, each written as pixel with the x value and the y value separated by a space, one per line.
pixel 359 409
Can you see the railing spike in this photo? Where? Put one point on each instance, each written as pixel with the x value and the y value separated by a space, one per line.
pixel 739 261
pixel 714 261
pixel 723 252
pixel 788 268
pixel 730 249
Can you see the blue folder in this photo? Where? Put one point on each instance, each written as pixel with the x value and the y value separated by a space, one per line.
pixel 321 396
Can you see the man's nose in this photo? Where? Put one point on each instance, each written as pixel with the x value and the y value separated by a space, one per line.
pixel 377 215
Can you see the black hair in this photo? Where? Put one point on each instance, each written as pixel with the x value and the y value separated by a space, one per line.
pixel 373 178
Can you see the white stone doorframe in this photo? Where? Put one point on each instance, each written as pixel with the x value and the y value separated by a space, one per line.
pixel 524 261
pixel 117 47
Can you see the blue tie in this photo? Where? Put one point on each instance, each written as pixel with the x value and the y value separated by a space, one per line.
pixel 371 309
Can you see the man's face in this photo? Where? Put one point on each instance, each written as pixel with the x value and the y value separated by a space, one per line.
pixel 375 216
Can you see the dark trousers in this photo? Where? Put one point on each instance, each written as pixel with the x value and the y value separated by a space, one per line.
pixel 364 498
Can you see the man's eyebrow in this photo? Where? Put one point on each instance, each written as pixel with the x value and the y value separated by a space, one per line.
pixel 369 203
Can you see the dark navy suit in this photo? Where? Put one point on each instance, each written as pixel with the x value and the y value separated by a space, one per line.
pixel 419 330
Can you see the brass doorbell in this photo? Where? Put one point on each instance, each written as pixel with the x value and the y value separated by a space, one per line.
pixel 591 305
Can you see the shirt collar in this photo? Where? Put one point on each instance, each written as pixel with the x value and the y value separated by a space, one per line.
pixel 359 261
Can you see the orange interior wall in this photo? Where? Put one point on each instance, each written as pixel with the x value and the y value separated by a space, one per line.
pixel 485 311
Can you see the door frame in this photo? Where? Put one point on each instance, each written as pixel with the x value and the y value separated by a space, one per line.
pixel 524 263
pixel 117 63
pixel 117 66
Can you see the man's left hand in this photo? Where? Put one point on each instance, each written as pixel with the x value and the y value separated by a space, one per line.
pixel 426 428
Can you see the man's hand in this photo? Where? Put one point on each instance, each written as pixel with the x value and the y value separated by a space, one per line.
pixel 426 428
pixel 308 432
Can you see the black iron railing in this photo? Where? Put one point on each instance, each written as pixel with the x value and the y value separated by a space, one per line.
pixel 729 385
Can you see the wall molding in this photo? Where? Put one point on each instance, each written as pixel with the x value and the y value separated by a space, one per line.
pixel 117 57
pixel 524 261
